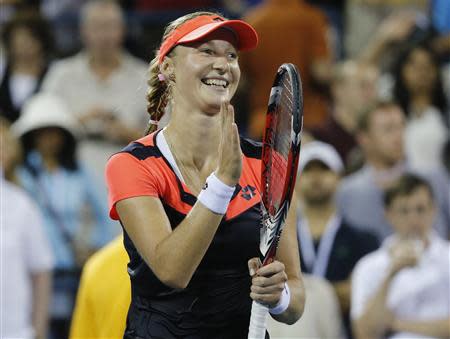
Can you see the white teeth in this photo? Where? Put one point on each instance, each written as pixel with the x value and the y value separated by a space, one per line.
pixel 216 82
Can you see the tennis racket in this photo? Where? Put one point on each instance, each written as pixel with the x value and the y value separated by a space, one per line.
pixel 280 156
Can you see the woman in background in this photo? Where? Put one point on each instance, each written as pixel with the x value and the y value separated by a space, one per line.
pixel 418 89
pixel 75 218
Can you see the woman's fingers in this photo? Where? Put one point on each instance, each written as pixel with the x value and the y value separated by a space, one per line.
pixel 268 282
pixel 230 163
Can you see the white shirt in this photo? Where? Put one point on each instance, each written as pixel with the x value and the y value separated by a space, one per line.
pixel 417 293
pixel 424 140
pixel 24 250
pixel 123 93
pixel 22 86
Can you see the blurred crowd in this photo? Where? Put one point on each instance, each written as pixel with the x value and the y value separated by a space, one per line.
pixel 373 196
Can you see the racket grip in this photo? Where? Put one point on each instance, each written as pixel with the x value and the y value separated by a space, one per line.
pixel 258 321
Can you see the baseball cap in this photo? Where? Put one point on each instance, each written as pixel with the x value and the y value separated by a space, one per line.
pixel 323 152
pixel 200 26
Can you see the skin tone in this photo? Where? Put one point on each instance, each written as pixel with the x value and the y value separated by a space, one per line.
pixel 26 53
pixel 412 218
pixel 41 282
pixel 420 75
pixel 316 193
pixel 204 142
pixel 352 89
pixel 48 142
pixel 10 156
pixel 383 141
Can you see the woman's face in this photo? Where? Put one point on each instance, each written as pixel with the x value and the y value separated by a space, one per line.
pixel 206 72
pixel 24 45
pixel 49 140
pixel 419 72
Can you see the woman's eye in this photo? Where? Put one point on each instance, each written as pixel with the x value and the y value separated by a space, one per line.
pixel 232 56
pixel 207 51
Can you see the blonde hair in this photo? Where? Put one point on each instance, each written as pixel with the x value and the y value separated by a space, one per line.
pixel 158 94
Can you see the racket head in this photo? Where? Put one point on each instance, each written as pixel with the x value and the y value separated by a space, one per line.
pixel 280 155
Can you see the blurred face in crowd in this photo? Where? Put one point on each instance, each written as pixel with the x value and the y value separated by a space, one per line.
pixel 412 215
pixel 24 45
pixel 383 141
pixel 49 140
pixel 206 72
pixel 354 86
pixel 103 28
pixel 318 183
pixel 420 72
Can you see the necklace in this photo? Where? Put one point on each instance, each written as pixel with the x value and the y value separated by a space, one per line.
pixel 192 181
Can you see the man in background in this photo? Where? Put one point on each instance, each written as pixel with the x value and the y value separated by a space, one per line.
pixel 402 289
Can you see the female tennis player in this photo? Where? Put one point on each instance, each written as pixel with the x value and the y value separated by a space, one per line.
pixel 188 197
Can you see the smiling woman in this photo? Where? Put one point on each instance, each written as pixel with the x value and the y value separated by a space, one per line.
pixel 191 235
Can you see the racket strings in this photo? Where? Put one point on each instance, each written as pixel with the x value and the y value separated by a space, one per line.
pixel 281 146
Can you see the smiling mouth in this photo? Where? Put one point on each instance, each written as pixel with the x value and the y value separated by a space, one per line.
pixel 216 83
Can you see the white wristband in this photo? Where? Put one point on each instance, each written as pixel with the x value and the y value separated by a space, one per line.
pixel 283 304
pixel 216 195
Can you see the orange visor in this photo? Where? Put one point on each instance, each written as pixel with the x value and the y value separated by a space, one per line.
pixel 198 27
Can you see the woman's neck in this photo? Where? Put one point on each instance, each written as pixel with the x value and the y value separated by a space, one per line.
pixel 50 162
pixel 419 104
pixel 27 67
pixel 195 138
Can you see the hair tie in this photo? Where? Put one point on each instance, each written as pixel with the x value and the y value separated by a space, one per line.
pixel 161 77
pixel 153 122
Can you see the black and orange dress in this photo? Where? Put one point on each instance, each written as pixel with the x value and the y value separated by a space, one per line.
pixel 216 303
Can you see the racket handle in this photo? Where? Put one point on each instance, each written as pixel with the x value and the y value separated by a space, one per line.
pixel 258 321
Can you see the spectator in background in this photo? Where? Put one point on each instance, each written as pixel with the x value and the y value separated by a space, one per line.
pixel 25 257
pixel 402 290
pixel 28 45
pixel 104 295
pixel 380 134
pixel 418 89
pixel 76 220
pixel 103 86
pixel 329 246
pixel 353 85
pixel 289 31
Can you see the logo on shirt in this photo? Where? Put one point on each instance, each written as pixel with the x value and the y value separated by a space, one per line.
pixel 248 192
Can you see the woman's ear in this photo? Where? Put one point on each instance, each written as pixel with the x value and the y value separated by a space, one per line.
pixel 167 68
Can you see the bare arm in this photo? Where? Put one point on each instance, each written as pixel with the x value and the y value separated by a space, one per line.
pixel 343 291
pixel 170 254
pixel 288 253
pixel 432 328
pixel 268 281
pixel 41 282
pixel 395 28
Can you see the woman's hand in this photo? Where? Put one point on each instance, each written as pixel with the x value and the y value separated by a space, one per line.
pixel 230 161
pixel 268 281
